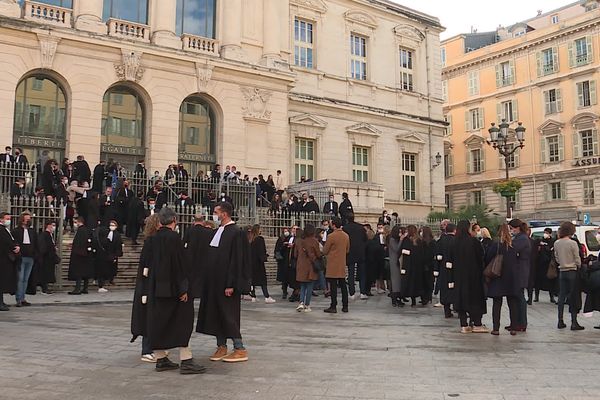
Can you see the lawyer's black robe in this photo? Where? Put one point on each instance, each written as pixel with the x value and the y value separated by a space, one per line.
pixel 135 218
pixel 8 262
pixel 412 283
pixel 196 241
pixel 169 322
pixel 107 253
pixel 139 311
pixel 443 254
pixel 48 259
pixel 81 263
pixel 228 266
pixel 466 256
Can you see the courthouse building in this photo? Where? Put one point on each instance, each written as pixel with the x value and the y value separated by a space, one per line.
pixel 544 73
pixel 346 91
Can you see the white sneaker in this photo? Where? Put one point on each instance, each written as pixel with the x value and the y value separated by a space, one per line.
pixel 102 290
pixel 300 307
pixel 380 291
pixel 149 358
pixel 438 305
pixel 253 299
pixel 353 297
pixel 364 297
pixel 270 300
pixel 307 309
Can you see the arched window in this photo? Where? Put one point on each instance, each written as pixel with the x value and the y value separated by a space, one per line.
pixel 196 17
pixel 122 126
pixel 40 117
pixel 196 135
pixel 128 10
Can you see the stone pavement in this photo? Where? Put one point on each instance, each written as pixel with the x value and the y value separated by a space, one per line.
pixel 56 350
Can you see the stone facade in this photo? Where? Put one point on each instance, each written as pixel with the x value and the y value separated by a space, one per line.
pixel 545 76
pixel 263 103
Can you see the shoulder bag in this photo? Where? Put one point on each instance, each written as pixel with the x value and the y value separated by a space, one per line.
pixel 494 269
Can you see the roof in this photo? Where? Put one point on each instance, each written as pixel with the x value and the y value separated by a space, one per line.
pixel 408 12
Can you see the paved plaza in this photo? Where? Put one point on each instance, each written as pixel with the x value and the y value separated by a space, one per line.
pixel 55 351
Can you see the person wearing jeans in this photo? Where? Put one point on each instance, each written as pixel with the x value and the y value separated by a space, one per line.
pixel 307 252
pixel 356 257
pixel 27 240
pixel 566 251
pixel 336 249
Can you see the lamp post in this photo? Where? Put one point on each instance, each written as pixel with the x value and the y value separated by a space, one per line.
pixel 499 140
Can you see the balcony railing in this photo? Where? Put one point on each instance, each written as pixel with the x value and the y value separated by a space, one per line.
pixel 582 59
pixel 48 14
pixel 548 68
pixel 128 30
pixel 200 44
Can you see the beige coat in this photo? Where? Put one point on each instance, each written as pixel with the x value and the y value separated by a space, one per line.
pixel 306 252
pixel 336 248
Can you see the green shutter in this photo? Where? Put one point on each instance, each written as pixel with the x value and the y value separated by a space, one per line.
pixel 498 75
pixel 517 158
pixel 469 163
pixel 467 121
pixel 515 109
pixel 580 98
pixel 547 196
pixel 539 63
pixel 499 112
pixel 555 61
pixel 561 147
pixel 450 164
pixel 576 145
pixel 543 151
pixel 449 128
pixel 482 152
pixel 563 190
pixel 571 54
pixel 547 110
pixel 559 102
pixel 482 119
pixel 593 99
pixel 595 141
pixel 513 75
pixel 590 49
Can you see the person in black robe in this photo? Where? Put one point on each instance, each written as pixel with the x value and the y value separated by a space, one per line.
pixel 108 208
pixel 26 238
pixel 99 177
pixel 345 208
pixel 48 257
pixel 442 269
pixel 429 257
pixel 9 259
pixel 227 278
pixel 109 247
pixel 169 311
pixel 122 200
pixel 466 258
pixel 331 207
pixel 280 251
pixel 545 248
pixel 135 217
pixel 259 255
pixel 81 170
pixel 412 265
pixel 81 262
pixel 196 241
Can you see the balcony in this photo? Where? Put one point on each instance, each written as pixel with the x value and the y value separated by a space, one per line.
pixel 548 69
pixel 128 30
pixel 582 59
pixel 48 14
pixel 201 45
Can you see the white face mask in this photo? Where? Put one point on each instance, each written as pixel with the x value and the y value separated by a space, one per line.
pixel 216 220
pixel 547 236
pixel 6 223
pixel 113 228
pixel 152 206
pixel 286 234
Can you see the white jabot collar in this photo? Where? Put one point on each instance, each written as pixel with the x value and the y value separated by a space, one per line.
pixel 216 240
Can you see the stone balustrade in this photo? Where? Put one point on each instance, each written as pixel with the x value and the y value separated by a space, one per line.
pixel 128 30
pixel 48 14
pixel 200 44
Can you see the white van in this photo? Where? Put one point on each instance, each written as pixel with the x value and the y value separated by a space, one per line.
pixel 587 234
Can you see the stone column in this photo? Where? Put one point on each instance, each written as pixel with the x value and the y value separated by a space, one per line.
pixel 271 32
pixel 231 46
pixel 10 8
pixel 165 14
pixel 89 16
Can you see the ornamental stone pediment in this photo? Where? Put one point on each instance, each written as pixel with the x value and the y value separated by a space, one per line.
pixel 364 129
pixel 551 126
pixel 411 138
pixel 409 32
pixel 584 119
pixel 361 18
pixel 474 140
pixel 308 120
pixel 318 6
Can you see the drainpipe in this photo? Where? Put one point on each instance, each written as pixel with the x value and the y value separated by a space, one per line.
pixel 429 129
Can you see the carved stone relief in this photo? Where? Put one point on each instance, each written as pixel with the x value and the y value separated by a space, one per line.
pixel 130 68
pixel 255 104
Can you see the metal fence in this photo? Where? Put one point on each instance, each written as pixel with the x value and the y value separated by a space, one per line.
pixel 26 174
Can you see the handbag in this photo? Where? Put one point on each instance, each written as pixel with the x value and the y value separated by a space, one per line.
pixel 552 272
pixel 319 264
pixel 494 268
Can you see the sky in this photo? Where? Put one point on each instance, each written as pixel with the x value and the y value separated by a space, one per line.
pixel 485 15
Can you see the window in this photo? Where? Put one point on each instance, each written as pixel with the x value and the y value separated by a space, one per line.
pixel 409 176
pixel 474 119
pixel 515 202
pixel 448 119
pixel 588 192
pixel 445 90
pixel 552 101
pixel 406 70
pixel 443 56
pixel 117 99
pixel 196 17
pixel 585 143
pixel 591 5
pixel 476 198
pixel 508 110
pixel 475 163
pixel 552 149
pixel 448 201
pixel 38 84
pixel 128 10
pixel 360 164
pixel 304 159
pixel 513 159
pixel 193 135
pixel 197 133
pixel 505 73
pixel 556 191
pixel 580 52
pixel 547 61
pixel 448 165
pixel 116 126
pixel 125 121
pixel 358 57
pixel 473 83
pixel 554 19
pixel 586 93
pixel 303 43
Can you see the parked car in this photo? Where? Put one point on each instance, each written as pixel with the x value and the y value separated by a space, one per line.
pixel 587 235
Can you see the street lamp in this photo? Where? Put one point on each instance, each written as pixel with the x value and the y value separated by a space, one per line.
pixel 499 140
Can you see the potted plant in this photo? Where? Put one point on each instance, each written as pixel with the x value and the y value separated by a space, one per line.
pixel 508 188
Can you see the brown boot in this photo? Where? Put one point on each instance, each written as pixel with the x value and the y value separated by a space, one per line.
pixel 236 356
pixel 219 354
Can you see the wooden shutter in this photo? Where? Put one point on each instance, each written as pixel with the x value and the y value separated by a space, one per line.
pixel 498 75
pixel 449 127
pixel 577 145
pixel 561 147
pixel 515 110
pixel 468 121
pixel 450 170
pixel 559 102
pixel 539 63
pixel 543 151
pixel 555 64
pixel 547 110
pixel 482 157
pixel 590 49
pixel 499 112
pixel 470 83
pixel 469 162
pixel 547 188
pixel 563 190
pixel 517 158
pixel 580 98
pixel 475 82
pixel 513 75
pixel 593 99
pixel 481 120
pixel 501 163
pixel 571 54
pixel 595 142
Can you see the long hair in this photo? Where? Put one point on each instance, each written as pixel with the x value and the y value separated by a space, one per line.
pixel 504 236
pixel 427 234
pixel 463 229
pixel 309 231
pixel 413 234
pixel 394 234
pixel 152 225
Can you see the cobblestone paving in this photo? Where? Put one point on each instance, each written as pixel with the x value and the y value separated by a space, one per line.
pixel 57 351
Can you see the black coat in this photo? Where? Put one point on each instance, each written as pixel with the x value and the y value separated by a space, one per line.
pixel 108 210
pixel 8 262
pixel 196 241
pixel 89 209
pixel 81 171
pixel 136 215
pixel 282 274
pixel 258 254
pixel 412 268
pixel 107 253
pixel 358 243
pixel 139 312
pixel 375 259
pixel 467 271
pixel 81 263
pixel 310 207
pixel 331 208
pixel 169 322
pixel 522 245
pixel 99 178
pixel 545 249
pixel 228 266
pixel 48 259
pixel 345 209
pixel 508 283
pixel 443 251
